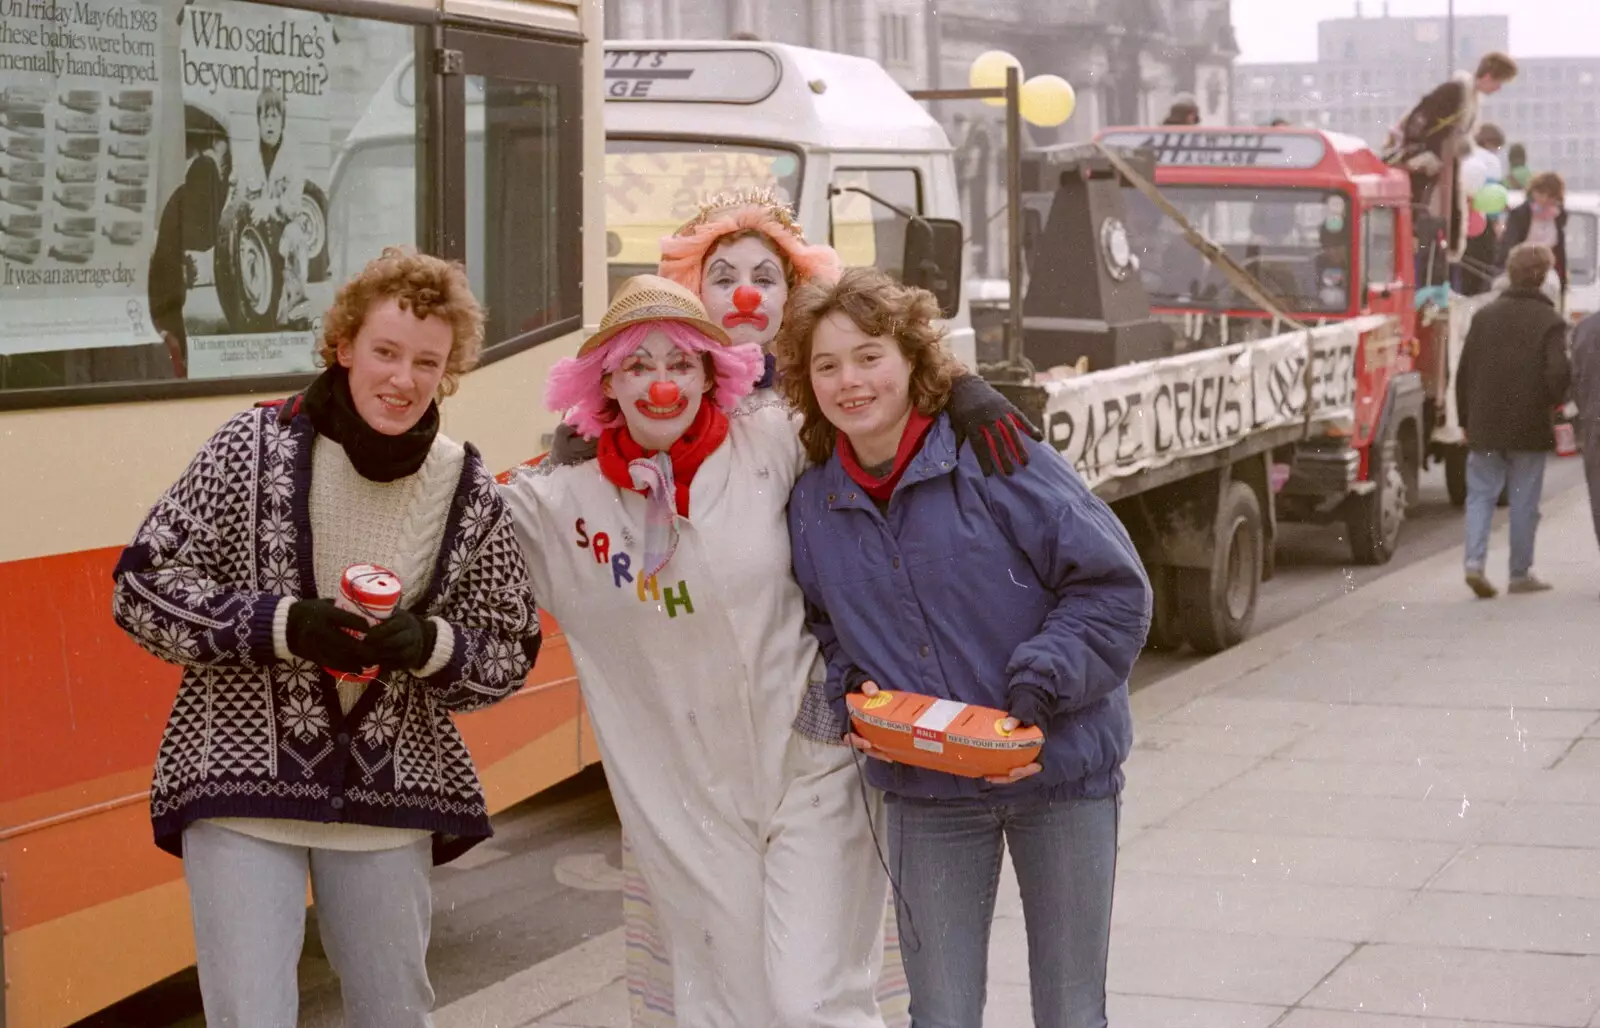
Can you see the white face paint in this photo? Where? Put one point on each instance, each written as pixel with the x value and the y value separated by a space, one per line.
pixel 659 387
pixel 744 290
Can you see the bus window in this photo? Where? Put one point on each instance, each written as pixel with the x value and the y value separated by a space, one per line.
pixel 866 232
pixel 654 186
pixel 194 223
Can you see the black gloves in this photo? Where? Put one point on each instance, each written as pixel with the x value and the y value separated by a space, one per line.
pixel 402 643
pixel 570 447
pixel 1029 704
pixel 316 632
pixel 979 415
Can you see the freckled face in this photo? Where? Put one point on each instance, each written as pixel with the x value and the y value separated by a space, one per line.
pixel 744 290
pixel 396 362
pixel 660 388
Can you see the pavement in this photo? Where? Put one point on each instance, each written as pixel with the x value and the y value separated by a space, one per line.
pixel 1383 814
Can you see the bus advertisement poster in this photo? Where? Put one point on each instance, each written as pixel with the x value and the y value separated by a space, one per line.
pixel 79 125
pixel 257 104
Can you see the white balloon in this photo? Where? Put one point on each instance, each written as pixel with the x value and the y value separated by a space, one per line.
pixel 1476 170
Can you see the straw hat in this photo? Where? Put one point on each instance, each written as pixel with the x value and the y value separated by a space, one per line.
pixel 652 298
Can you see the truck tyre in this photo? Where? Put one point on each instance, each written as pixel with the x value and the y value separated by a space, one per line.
pixel 1166 617
pixel 1374 520
pixel 314 219
pixel 1219 603
pixel 1455 475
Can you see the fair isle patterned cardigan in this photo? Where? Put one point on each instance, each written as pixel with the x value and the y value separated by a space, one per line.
pixel 254 736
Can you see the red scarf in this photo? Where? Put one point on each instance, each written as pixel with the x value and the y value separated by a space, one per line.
pixel 880 489
pixel 699 441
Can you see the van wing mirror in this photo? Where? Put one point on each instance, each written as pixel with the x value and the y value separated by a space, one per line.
pixel 933 260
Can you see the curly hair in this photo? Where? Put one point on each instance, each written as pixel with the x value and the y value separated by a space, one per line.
pixel 881 307
pixel 425 286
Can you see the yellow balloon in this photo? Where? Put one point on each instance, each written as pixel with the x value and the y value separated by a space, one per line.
pixel 988 71
pixel 1048 100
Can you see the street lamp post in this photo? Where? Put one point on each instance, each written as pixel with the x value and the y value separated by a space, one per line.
pixel 1450 37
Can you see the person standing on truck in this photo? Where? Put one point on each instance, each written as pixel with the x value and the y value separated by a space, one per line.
pixel 666 560
pixel 1481 259
pixel 1541 219
pixel 297 745
pixel 1024 593
pixel 1586 391
pixel 1512 375
pixel 1431 141
pixel 1519 174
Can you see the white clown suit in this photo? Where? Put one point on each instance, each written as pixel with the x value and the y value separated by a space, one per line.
pixel 757 843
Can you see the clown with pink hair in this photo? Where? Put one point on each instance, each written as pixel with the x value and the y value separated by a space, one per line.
pixel 666 559
pixel 812 947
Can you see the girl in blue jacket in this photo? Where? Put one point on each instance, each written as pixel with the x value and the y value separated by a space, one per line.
pixel 1020 592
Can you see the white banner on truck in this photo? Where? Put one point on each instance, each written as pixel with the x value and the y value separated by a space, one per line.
pixel 1122 421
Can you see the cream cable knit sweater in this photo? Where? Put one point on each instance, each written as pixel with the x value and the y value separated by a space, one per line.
pixel 398 525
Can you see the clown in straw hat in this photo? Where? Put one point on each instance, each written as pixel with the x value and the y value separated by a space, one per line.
pixel 667 561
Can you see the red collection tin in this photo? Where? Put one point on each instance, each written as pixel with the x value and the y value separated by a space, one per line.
pixel 373 592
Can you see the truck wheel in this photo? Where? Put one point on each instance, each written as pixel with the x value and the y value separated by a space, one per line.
pixel 1455 475
pixel 1166 618
pixel 1219 603
pixel 1375 519
pixel 314 220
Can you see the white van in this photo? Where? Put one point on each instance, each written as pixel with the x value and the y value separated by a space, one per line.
pixel 686 120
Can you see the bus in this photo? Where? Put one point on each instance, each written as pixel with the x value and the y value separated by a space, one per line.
pixel 153 288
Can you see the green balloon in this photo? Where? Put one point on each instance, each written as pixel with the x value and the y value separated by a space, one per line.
pixel 1491 199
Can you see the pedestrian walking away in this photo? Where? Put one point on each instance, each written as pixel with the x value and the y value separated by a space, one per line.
pixel 1586 393
pixel 1022 593
pixel 308 739
pixel 1512 375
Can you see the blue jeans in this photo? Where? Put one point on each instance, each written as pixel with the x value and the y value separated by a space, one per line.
pixel 1521 472
pixel 947 859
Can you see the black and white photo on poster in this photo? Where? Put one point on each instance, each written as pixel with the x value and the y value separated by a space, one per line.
pixel 248 225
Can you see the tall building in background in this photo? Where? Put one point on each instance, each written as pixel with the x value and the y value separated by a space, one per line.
pixel 1126 59
pixel 1370 71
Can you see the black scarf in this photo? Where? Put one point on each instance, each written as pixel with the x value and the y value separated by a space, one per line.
pixel 377 457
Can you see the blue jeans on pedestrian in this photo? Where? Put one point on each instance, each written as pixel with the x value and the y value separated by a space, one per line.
pixel 947 859
pixel 1519 472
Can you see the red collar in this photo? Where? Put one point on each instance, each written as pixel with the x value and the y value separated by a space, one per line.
pixel 699 441
pixel 880 489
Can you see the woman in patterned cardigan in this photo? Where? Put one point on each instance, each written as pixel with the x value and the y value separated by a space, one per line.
pixel 271 767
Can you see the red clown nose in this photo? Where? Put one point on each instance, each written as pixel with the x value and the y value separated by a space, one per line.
pixel 663 394
pixel 747 299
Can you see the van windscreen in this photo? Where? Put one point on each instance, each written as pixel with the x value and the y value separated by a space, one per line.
pixel 653 186
pixel 1296 242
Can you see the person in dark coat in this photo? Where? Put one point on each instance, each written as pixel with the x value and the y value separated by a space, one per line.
pixel 1542 219
pixel 1586 392
pixel 1430 142
pixel 1513 374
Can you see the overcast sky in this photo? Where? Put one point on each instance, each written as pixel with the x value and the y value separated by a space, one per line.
pixel 1286 30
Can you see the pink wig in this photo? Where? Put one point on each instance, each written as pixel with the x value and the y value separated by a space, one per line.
pixel 576 384
pixel 683 255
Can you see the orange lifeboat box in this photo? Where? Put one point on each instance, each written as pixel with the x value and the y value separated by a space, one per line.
pixel 943 735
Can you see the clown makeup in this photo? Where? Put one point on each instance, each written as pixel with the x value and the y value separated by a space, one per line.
pixel 744 290
pixel 659 387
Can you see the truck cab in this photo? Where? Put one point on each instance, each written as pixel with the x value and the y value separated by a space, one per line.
pixel 687 120
pixel 1325 227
